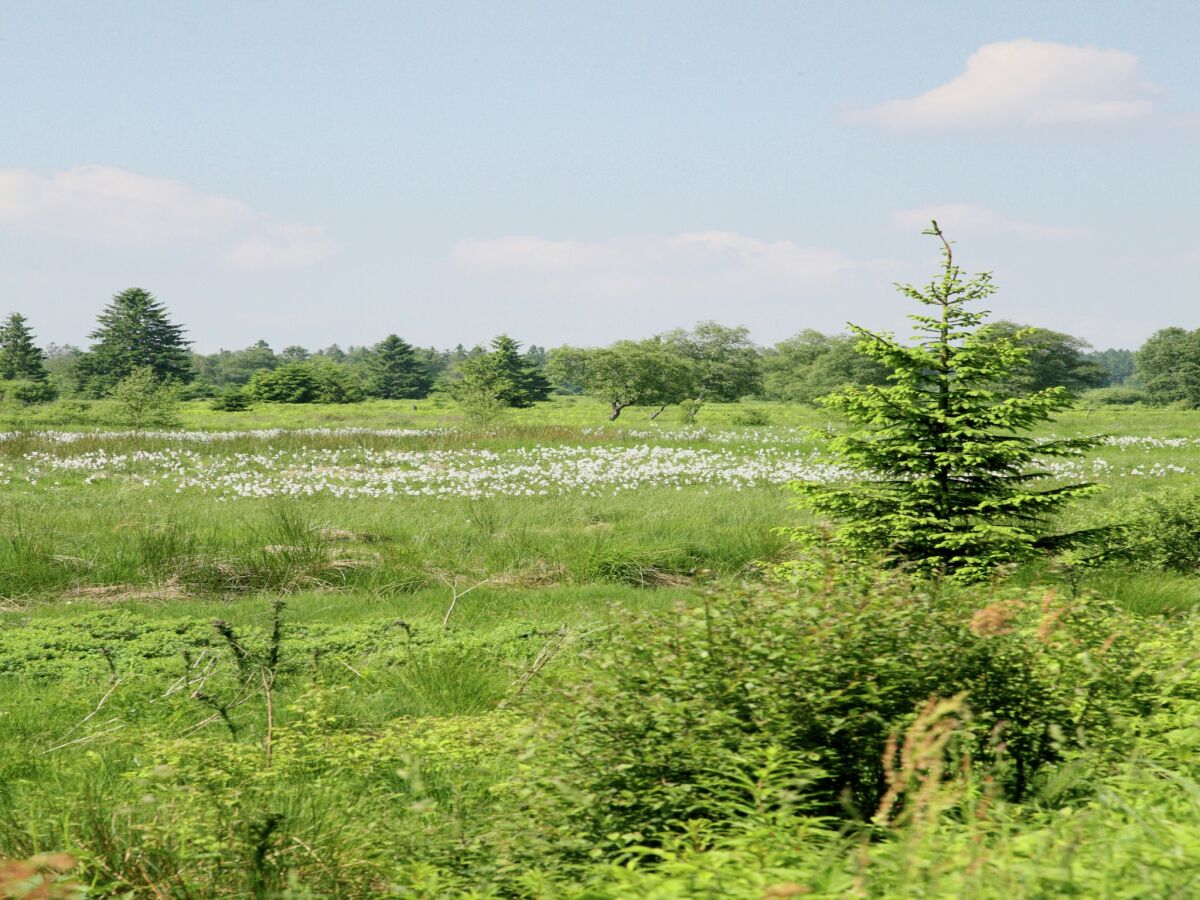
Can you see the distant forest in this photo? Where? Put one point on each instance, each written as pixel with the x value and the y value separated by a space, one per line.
pixel 708 362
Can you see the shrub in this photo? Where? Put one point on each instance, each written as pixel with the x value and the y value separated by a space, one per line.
pixel 235 400
pixel 312 381
pixel 821 677
pixel 143 401
pixel 752 418
pixel 1164 531
pixel 1114 396
pixel 28 393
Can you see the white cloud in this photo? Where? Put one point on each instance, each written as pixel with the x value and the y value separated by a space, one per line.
pixel 711 265
pixel 109 205
pixel 1026 82
pixel 967 218
pixel 283 247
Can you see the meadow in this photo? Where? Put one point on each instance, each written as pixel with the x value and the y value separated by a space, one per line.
pixel 322 651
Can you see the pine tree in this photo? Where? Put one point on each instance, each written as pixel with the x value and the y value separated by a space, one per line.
pixel 20 359
pixel 395 371
pixel 528 384
pixel 948 478
pixel 134 332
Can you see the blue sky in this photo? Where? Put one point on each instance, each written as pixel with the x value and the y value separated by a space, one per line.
pixel 312 172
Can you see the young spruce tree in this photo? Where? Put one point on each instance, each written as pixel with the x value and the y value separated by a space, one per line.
pixel 948 479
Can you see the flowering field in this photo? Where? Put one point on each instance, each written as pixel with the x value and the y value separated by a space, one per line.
pixel 339 465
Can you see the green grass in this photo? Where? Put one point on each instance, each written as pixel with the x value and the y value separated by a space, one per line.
pixel 398 710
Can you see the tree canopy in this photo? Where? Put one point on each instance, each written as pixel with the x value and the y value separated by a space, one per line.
pixel 629 373
pixel 1168 366
pixel 725 365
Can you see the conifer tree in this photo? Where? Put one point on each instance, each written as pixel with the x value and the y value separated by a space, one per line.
pixel 946 477
pixel 134 332
pixel 20 358
pixel 528 384
pixel 395 371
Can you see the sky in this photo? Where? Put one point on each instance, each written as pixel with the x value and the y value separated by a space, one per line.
pixel 579 172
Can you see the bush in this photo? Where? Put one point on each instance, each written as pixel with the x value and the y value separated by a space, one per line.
pixel 752 418
pixel 142 401
pixel 27 393
pixel 235 400
pixel 1164 532
pixel 1113 396
pixel 312 381
pixel 821 678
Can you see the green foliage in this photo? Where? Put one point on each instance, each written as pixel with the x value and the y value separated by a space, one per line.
pixel 725 365
pixel 1052 359
pixel 395 371
pixel 27 393
pixel 940 475
pixel 821 678
pixel 235 368
pixel 20 359
pixel 811 365
pixel 1114 396
pixel 488 381
pixel 232 400
pixel 1118 365
pixel 629 373
pixel 143 401
pixel 134 332
pixel 315 381
pixel 752 418
pixel 1168 365
pixel 1162 530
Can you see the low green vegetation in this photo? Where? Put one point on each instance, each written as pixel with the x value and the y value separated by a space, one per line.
pixel 229 667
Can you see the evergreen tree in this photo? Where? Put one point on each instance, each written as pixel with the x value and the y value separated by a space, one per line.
pixel 501 374
pixel 527 385
pixel 294 353
pixel 945 480
pixel 395 371
pixel 134 332
pixel 20 359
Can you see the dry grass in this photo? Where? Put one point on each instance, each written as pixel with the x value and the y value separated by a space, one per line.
pixel 171 589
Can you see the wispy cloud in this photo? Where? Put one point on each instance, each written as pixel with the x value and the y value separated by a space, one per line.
pixel 971 218
pixel 708 264
pixel 110 205
pixel 1026 82
pixel 282 247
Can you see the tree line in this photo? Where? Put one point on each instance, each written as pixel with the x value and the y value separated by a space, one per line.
pixel 135 335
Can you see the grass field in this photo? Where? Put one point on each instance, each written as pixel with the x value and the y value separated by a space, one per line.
pixel 297 651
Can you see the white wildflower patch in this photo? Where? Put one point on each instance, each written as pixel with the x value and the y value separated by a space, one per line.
pixel 475 473
pixel 628 460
